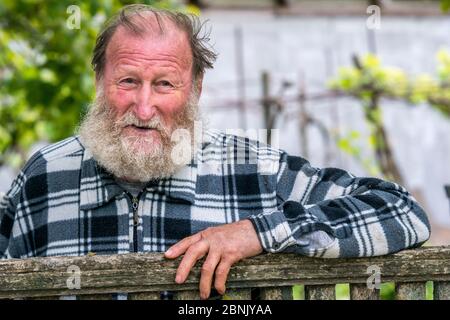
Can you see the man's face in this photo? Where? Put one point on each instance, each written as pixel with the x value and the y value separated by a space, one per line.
pixel 144 94
pixel 147 82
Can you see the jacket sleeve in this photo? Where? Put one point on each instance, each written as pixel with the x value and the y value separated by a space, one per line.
pixel 5 225
pixel 8 206
pixel 330 213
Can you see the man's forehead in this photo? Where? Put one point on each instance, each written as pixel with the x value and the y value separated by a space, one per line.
pixel 153 35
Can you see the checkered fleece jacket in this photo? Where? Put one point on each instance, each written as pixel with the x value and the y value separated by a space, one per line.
pixel 64 203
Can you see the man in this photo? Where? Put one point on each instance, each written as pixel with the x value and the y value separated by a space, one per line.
pixel 119 186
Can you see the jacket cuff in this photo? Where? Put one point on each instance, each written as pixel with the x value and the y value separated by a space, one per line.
pixel 273 231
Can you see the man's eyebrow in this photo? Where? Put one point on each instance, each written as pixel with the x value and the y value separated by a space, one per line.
pixel 125 69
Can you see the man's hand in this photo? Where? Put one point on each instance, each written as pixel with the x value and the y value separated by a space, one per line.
pixel 224 246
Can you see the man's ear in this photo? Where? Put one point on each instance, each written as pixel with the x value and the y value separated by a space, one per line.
pixel 199 84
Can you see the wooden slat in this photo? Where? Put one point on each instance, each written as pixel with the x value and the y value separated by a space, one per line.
pixel 65 297
pixel 320 292
pixel 152 272
pixel 238 294
pixel 410 291
pixel 151 295
pixel 441 290
pixel 361 292
pixel 68 297
pixel 188 295
pixel 276 293
pixel 95 297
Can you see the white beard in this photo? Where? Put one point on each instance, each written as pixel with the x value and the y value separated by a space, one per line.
pixel 124 156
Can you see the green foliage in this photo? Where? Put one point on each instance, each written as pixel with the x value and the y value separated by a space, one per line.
pixel 46 81
pixel 342 291
pixel 370 78
pixel 369 81
pixel 429 289
pixel 298 292
pixel 350 143
pixel 387 291
pixel 445 5
pixel 434 90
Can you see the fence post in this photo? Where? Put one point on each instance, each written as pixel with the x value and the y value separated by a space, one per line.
pixel 266 104
pixel 447 191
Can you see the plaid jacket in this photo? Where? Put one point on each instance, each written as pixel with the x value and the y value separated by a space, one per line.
pixel 63 203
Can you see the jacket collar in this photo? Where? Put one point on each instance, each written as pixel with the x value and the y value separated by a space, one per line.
pixel 98 187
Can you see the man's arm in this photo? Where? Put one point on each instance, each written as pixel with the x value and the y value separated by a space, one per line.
pixel 323 212
pixel 330 213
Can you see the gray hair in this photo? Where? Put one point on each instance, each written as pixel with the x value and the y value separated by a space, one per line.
pixel 202 53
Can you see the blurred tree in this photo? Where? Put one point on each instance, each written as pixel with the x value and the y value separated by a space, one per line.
pixel 46 81
pixel 434 90
pixel 369 81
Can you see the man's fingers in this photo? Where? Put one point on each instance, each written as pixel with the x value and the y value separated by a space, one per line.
pixel 194 253
pixel 221 276
pixel 208 268
pixel 181 246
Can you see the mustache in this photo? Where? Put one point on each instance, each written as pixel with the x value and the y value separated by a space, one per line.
pixel 129 119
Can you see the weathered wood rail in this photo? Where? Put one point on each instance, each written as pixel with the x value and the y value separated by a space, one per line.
pixel 144 276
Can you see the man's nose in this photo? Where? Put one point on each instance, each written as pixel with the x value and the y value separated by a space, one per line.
pixel 145 103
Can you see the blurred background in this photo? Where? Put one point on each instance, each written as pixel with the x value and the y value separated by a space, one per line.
pixel 360 85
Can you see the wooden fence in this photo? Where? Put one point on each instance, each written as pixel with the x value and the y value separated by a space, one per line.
pixel 144 276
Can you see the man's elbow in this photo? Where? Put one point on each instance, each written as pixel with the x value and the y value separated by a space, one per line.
pixel 409 219
pixel 421 225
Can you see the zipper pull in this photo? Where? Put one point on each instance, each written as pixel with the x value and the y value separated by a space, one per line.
pixel 135 205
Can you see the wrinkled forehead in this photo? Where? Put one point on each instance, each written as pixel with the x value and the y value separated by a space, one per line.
pixel 148 33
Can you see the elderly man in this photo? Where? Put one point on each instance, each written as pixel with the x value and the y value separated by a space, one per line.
pixel 118 186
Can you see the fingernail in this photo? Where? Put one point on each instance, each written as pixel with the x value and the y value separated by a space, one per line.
pixel 178 279
pixel 169 252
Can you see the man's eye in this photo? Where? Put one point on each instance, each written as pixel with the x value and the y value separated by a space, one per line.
pixel 128 81
pixel 165 83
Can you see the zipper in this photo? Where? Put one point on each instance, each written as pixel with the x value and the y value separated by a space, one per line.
pixel 135 207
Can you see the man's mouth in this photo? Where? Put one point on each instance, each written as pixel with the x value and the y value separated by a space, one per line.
pixel 139 128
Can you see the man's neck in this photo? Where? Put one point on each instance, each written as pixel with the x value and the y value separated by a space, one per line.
pixel 133 187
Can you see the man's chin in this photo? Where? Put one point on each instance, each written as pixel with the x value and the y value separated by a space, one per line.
pixel 142 145
pixel 143 149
